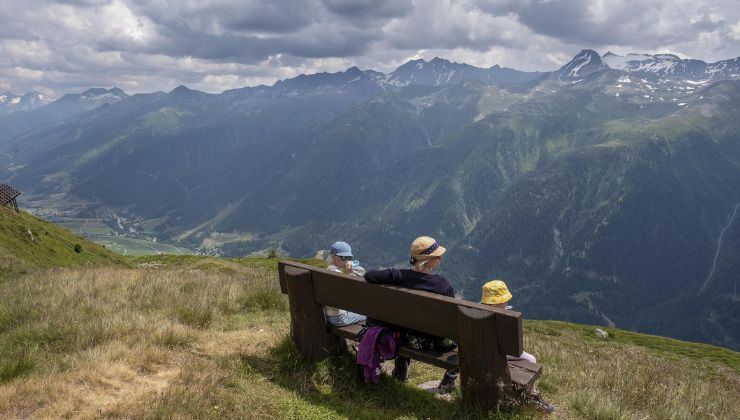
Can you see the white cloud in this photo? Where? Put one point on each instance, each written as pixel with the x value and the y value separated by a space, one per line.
pixel 734 32
pixel 24 73
pixel 140 45
pixel 117 19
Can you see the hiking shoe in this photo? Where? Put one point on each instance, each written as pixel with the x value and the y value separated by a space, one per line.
pixel 447 384
pixel 544 406
pixel 401 370
pixel 433 387
pixel 540 403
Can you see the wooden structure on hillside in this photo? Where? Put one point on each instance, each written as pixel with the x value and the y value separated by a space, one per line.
pixel 8 195
pixel 486 335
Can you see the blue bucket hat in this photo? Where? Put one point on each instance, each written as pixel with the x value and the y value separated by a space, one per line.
pixel 341 249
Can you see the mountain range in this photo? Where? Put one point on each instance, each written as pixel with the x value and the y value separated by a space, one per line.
pixel 602 192
pixel 10 102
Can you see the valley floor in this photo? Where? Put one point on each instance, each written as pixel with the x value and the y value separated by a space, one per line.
pixel 135 247
pixel 202 338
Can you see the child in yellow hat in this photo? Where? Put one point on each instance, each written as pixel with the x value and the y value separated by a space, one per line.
pixel 495 293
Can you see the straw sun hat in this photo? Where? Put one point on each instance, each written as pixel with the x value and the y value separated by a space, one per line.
pixel 425 248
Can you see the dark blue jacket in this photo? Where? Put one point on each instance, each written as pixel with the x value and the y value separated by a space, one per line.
pixel 411 279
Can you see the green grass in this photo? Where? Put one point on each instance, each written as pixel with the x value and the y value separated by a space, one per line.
pixel 162 120
pixel 16 365
pixel 30 243
pixel 667 347
pixel 219 264
pixel 332 389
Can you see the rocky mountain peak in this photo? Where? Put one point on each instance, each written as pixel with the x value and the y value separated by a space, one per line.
pixel 181 90
pixel 95 94
pixel 584 63
pixel 438 61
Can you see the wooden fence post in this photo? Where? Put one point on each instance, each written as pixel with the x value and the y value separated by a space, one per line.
pixel 307 324
pixel 484 371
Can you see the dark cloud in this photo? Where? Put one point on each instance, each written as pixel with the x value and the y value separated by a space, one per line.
pixel 250 32
pixel 81 2
pixel 274 16
pixel 370 9
pixel 647 23
pixel 180 40
pixel 142 45
pixel 579 22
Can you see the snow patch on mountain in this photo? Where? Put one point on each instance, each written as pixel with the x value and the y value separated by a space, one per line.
pixel 577 68
pixel 669 65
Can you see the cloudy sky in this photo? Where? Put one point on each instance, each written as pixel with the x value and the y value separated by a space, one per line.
pixel 58 47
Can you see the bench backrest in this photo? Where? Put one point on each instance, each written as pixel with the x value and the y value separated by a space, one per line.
pixel 414 309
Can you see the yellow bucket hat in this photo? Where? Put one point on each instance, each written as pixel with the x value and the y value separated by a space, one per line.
pixel 495 292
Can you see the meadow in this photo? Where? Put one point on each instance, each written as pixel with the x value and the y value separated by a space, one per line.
pixel 195 337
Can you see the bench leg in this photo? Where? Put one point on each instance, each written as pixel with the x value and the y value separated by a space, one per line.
pixel 307 324
pixel 484 371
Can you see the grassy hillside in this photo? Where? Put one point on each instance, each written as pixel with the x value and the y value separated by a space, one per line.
pixel 94 334
pixel 27 242
pixel 195 337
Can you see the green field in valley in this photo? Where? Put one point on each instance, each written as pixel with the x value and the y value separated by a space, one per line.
pixel 85 226
pixel 97 230
pixel 138 247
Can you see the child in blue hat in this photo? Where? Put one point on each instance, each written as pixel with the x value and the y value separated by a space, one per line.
pixel 342 261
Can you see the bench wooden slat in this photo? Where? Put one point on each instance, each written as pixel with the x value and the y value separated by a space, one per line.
pixel 526 365
pixel 414 309
pixel 523 372
pixel 445 360
pixel 349 331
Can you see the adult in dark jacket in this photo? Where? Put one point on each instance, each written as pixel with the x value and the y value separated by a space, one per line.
pixel 426 255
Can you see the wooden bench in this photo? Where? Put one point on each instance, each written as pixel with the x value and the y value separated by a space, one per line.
pixel 485 335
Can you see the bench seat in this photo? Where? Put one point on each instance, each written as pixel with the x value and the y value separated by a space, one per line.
pixel 523 373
